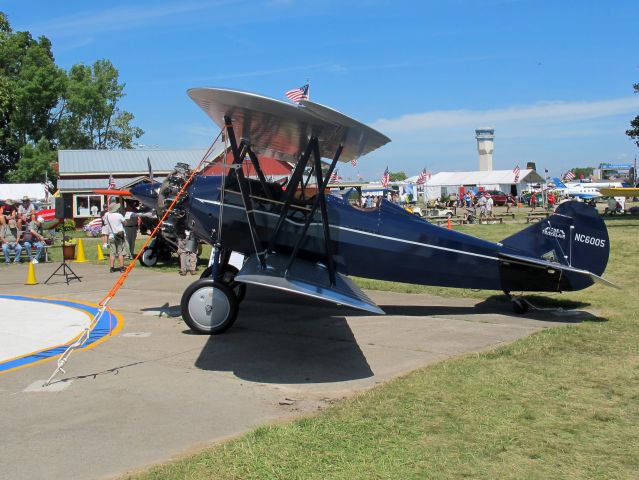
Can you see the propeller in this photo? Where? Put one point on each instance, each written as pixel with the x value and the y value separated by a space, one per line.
pixel 148 161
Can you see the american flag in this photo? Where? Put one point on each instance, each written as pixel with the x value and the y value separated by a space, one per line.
pixel 334 178
pixel 385 178
pixel 569 176
pixel 298 94
pixel 516 172
pixel 423 177
pixel 111 186
pixel 46 192
pixel 354 162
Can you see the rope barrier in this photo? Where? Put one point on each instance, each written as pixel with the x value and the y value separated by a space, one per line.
pixel 84 337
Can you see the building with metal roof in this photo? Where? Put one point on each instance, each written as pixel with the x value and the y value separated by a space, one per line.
pixel 83 171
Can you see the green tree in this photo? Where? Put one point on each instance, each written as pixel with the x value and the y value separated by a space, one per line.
pixel 397 176
pixel 92 118
pixel 585 171
pixel 36 163
pixel 30 89
pixel 43 108
pixel 634 131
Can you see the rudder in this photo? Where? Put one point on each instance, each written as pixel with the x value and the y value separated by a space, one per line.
pixel 574 235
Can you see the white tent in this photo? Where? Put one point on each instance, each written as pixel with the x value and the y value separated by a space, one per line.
pixel 447 183
pixel 15 191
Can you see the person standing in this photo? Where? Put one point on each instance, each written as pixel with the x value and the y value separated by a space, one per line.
pixel 188 258
pixel 114 223
pixel 481 203
pixel 130 228
pixel 533 201
pixel 489 205
pixel 510 202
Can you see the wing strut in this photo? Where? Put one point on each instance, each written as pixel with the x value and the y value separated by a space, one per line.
pixel 238 158
pixel 319 201
pixel 298 175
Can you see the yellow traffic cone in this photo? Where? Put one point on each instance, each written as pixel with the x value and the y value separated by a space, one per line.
pixel 100 253
pixel 31 278
pixel 79 249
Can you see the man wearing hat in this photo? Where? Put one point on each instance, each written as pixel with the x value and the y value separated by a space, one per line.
pixel 26 212
pixel 113 222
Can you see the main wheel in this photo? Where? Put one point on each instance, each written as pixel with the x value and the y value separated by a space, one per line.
pixel 149 257
pixel 209 307
pixel 228 278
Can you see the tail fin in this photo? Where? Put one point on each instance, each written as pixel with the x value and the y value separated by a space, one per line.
pixel 558 183
pixel 575 237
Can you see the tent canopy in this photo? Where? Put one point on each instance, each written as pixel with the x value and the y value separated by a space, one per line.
pixel 15 191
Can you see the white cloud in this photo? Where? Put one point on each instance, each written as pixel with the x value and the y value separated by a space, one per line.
pixel 123 18
pixel 557 135
pixel 546 112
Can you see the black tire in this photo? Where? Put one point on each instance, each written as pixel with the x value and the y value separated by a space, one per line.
pixel 449 215
pixel 238 288
pixel 209 307
pixel 149 258
pixel 520 306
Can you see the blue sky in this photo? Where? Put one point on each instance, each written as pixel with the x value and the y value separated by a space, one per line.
pixel 554 78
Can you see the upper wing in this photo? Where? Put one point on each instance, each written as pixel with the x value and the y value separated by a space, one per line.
pixel 281 130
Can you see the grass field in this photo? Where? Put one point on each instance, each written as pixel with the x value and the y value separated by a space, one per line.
pixel 561 403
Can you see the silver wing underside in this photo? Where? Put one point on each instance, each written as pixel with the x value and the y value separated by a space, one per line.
pixel 281 130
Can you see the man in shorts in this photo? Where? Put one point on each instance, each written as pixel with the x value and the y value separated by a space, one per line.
pixel 113 222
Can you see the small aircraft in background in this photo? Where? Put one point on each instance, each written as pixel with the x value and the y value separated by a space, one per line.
pixel 627 192
pixel 301 239
pixel 583 190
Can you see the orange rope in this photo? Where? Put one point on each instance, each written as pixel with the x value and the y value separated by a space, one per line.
pixel 120 281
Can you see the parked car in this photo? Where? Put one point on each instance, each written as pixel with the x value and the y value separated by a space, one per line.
pixel 499 197
pixel 440 213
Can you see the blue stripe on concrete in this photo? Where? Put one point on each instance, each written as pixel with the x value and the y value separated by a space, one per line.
pixel 100 331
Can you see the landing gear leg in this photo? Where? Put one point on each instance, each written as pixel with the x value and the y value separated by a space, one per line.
pixel 226 274
pixel 520 305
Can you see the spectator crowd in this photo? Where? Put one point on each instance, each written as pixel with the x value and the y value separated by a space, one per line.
pixel 20 230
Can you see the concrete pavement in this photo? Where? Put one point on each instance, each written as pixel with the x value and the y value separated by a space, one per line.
pixel 155 390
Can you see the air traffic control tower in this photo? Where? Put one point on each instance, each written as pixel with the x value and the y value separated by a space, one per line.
pixel 485 140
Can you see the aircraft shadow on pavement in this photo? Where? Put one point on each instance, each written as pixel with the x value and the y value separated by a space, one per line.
pixel 281 338
pixel 547 310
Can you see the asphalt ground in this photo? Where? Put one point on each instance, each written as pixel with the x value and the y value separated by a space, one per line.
pixel 156 391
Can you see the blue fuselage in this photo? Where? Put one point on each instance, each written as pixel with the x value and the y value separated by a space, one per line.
pixel 387 243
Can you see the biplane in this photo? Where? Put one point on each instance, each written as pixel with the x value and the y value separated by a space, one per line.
pixel 301 239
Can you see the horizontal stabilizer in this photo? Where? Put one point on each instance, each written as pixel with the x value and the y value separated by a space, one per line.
pixel 546 265
pixel 305 278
